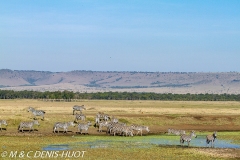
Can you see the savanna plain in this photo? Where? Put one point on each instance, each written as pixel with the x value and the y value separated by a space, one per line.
pixel 204 117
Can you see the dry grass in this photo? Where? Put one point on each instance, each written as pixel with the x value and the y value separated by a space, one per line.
pixel 158 115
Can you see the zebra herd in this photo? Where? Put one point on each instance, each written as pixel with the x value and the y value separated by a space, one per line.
pixel 112 126
pixel 188 138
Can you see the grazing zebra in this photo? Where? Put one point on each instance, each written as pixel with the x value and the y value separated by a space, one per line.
pixel 4 122
pixel 139 128
pixel 28 125
pixel 36 112
pixel 187 138
pixel 80 117
pixel 78 108
pixel 63 125
pixel 127 130
pixel 113 128
pixel 176 132
pixel 84 126
pixel 211 138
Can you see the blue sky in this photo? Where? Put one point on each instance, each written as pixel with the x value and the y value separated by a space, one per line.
pixel 126 35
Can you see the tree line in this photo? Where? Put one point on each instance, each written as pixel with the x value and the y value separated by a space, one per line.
pixel 67 95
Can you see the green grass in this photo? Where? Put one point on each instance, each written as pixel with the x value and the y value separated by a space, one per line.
pixel 117 149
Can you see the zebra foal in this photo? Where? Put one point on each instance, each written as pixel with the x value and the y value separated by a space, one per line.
pixel 28 124
pixel 4 122
pixel 36 112
pixel 211 138
pixel 187 138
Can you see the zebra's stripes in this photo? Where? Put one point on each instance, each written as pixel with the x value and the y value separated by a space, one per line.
pixel 84 126
pixel 114 120
pixel 114 128
pixel 36 112
pixel 211 138
pixel 63 125
pixel 78 108
pixel 4 122
pixel 101 116
pixel 139 128
pixel 80 117
pixel 176 131
pixel 28 125
pixel 102 124
pixel 187 138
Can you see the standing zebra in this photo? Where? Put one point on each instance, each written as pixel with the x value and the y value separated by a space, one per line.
pixel 187 138
pixel 84 126
pixel 102 124
pixel 63 125
pixel 211 138
pixel 36 112
pixel 4 122
pixel 80 117
pixel 78 108
pixel 139 128
pixel 28 125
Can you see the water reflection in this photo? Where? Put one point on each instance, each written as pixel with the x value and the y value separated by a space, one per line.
pixel 144 142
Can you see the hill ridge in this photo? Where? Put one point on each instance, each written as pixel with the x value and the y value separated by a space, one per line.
pixel 125 81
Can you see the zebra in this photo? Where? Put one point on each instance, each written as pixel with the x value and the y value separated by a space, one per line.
pixel 127 130
pixel 80 117
pixel 114 120
pixel 139 128
pixel 113 128
pixel 101 116
pixel 84 126
pixel 211 138
pixel 176 132
pixel 36 112
pixel 78 108
pixel 102 124
pixel 63 125
pixel 28 125
pixel 4 122
pixel 187 138
pixel 112 125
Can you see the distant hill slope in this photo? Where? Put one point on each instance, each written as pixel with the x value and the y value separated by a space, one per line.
pixel 95 81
